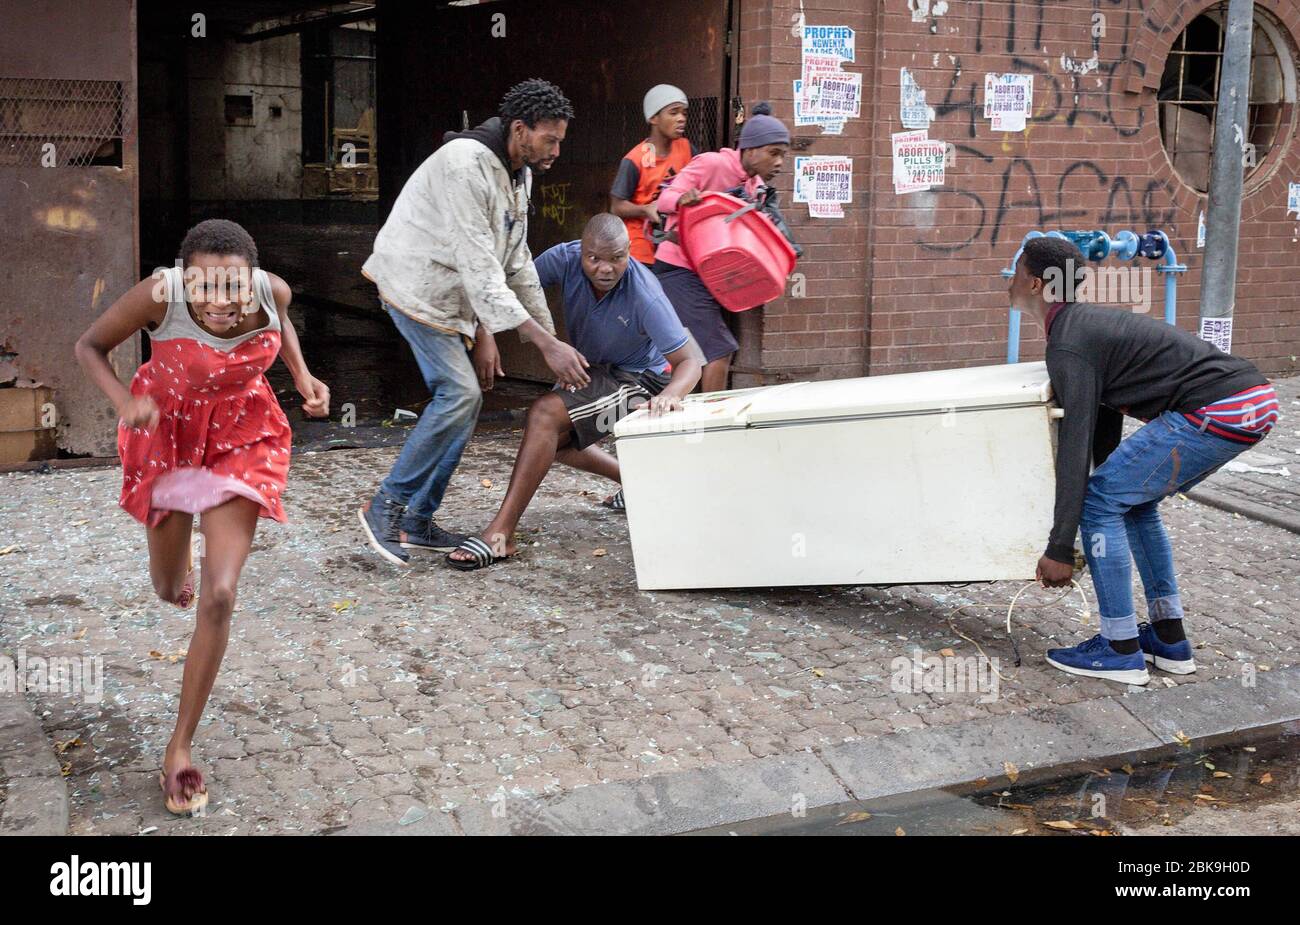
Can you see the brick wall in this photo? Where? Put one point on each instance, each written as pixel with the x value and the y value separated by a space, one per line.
pixel 913 282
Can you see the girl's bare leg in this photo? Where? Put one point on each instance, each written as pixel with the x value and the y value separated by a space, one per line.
pixel 169 555
pixel 227 537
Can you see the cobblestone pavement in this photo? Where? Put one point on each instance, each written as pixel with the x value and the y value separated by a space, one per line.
pixel 356 692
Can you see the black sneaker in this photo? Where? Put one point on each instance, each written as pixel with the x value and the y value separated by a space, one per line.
pixel 433 537
pixel 381 523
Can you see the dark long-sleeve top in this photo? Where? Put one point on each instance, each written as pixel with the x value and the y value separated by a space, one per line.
pixel 1107 362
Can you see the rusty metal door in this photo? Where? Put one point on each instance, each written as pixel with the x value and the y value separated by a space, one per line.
pixel 68 180
pixel 440 67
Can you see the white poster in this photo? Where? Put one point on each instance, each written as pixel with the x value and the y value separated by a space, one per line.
pixel 1218 331
pixel 1008 100
pixel 1200 231
pixel 829 125
pixel 911 103
pixel 826 90
pixel 829 40
pixel 825 183
pixel 918 162
pixel 1293 199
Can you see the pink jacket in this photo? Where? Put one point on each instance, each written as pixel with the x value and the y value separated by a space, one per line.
pixel 713 171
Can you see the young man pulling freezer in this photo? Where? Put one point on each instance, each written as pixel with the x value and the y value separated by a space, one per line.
pixel 624 327
pixel 1202 408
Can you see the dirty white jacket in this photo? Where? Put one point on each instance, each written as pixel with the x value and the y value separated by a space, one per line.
pixel 454 251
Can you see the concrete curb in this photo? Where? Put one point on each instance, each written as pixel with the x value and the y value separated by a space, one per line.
pixel 1263 513
pixel 36 801
pixel 1132 724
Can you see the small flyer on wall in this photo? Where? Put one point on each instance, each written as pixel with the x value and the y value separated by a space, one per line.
pixel 1218 331
pixel 837 41
pixel 912 106
pixel 829 124
pixel 1293 199
pixel 826 89
pixel 1008 100
pixel 918 162
pixel 825 183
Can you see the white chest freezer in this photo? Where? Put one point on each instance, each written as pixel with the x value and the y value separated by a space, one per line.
pixel 940 476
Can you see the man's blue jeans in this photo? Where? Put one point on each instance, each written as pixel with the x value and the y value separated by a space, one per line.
pixel 419 477
pixel 1121 520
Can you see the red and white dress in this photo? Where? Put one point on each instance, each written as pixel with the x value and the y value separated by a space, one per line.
pixel 221 432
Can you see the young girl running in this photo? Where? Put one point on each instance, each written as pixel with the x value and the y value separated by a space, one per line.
pixel 201 432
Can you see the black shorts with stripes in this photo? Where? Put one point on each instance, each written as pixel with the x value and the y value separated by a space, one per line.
pixel 611 395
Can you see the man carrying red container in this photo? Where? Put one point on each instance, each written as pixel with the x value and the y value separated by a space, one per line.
pixel 747 168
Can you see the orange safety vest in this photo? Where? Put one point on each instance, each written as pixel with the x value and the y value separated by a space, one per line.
pixel 647 190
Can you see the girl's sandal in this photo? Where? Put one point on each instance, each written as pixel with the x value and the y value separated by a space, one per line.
pixel 191 777
pixel 187 590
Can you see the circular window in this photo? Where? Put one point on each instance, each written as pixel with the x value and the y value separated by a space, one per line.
pixel 1189 94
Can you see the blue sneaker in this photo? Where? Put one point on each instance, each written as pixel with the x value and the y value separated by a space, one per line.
pixel 1174 657
pixel 380 520
pixel 1096 659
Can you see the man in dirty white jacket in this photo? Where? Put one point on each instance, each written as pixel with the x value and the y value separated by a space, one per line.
pixel 453 268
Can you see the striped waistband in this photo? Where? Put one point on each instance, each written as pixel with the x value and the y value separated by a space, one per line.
pixel 1245 417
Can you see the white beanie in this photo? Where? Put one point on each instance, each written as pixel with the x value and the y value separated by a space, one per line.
pixel 661 96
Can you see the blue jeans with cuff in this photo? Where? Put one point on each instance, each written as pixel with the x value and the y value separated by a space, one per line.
pixel 1121 524
pixel 432 452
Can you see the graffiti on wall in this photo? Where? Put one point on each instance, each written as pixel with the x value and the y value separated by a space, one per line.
pixel 1083 92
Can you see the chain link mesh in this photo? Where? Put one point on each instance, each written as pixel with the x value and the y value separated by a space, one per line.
pixel 82 119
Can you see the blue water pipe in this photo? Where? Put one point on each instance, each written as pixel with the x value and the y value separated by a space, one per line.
pixel 1097 246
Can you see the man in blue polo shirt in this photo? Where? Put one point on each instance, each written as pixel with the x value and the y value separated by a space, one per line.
pixel 626 331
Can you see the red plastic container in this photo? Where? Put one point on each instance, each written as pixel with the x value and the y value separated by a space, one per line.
pixel 737 252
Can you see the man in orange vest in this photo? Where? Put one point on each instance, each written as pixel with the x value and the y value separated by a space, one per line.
pixel 649 165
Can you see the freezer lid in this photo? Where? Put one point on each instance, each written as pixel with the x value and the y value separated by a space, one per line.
pixel 969 388
pixel 713 411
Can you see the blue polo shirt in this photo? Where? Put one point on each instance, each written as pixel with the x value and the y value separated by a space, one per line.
pixel 632 327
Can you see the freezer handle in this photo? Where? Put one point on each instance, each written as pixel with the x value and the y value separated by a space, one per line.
pixel 1055 414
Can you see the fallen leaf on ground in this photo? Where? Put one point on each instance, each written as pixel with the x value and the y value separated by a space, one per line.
pixel 154 653
pixel 1013 772
pixel 947 653
pixel 80 634
pixel 598 552
pixel 340 606
pixel 1222 774
pixel 1064 825
pixel 1266 779
pixel 486 483
pixel 899 831
pixel 78 523
pixel 818 673
pixel 62 747
pixel 1127 769
pixel 1182 738
pixel 66 770
pixel 8 549
pixel 854 817
pixel 1208 798
pixel 1019 831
